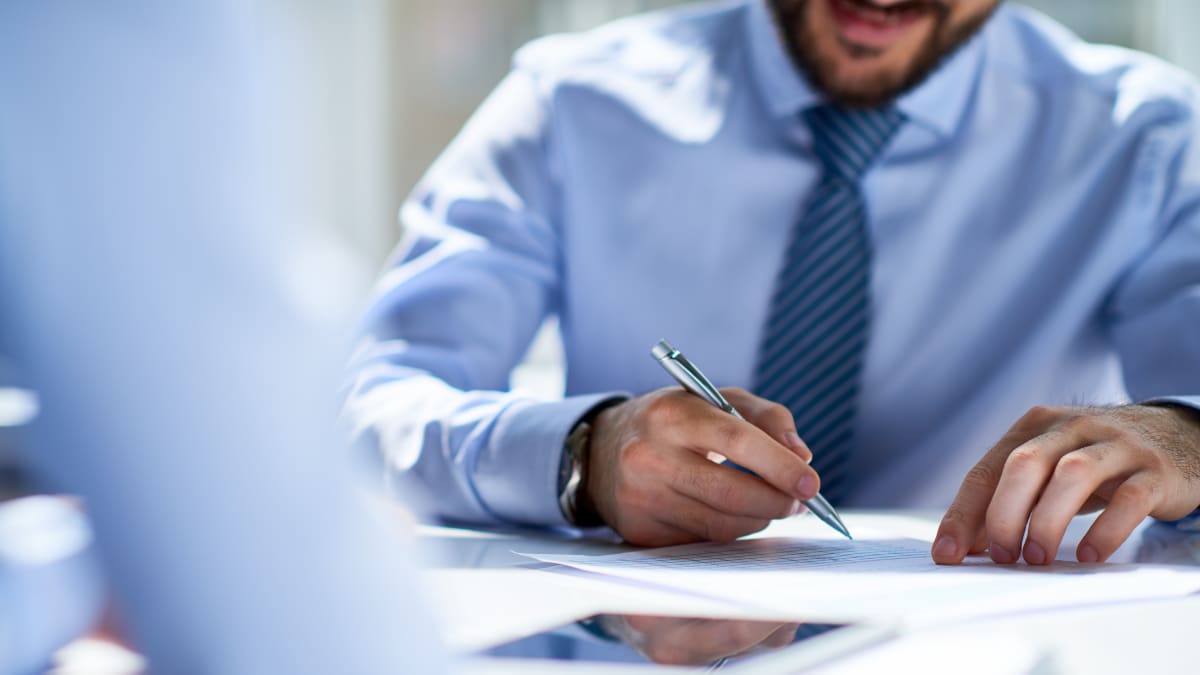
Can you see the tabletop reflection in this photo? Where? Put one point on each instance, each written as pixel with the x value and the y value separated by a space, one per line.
pixel 664 640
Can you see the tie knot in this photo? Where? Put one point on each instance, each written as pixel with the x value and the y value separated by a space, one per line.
pixel 848 141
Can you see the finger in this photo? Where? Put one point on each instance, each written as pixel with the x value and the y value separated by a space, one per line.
pixel 1131 503
pixel 1026 472
pixel 962 527
pixel 771 417
pixel 1076 476
pixel 754 449
pixel 729 491
pixel 701 520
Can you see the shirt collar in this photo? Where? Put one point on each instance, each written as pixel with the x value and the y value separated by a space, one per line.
pixel 938 103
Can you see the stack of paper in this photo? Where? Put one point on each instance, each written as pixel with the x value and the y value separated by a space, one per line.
pixel 814 575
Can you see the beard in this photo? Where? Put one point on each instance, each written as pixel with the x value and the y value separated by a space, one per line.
pixel 883 87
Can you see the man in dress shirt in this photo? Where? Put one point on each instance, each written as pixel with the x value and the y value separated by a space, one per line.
pixel 155 296
pixel 1034 242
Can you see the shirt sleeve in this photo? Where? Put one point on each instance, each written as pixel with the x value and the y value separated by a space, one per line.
pixel 1156 310
pixel 473 279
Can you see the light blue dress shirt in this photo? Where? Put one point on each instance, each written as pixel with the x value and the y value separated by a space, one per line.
pixel 1035 223
pixel 156 292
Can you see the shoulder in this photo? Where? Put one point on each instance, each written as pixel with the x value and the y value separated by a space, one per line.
pixel 672 68
pixel 646 45
pixel 1028 51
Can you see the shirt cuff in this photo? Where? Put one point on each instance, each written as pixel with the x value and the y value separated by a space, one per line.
pixel 1185 401
pixel 517 477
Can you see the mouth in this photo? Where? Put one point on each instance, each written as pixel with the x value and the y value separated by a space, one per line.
pixel 874 26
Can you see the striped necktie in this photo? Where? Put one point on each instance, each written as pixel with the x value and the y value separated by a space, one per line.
pixel 812 350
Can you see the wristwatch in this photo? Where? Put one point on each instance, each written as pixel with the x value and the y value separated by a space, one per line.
pixel 573 470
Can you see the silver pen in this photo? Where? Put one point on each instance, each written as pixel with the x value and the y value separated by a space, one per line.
pixel 690 377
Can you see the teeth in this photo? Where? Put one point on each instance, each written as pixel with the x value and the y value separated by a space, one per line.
pixel 889 16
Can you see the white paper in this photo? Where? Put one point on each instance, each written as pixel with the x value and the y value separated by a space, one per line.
pixel 763 555
pixel 877 576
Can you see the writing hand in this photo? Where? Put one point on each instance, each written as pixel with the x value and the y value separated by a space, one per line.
pixel 650 479
pixel 1054 463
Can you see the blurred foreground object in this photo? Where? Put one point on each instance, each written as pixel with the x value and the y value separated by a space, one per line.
pixel 176 328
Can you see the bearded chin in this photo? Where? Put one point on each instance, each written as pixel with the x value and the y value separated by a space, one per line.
pixel 876 89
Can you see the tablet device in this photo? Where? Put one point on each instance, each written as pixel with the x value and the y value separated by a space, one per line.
pixel 705 643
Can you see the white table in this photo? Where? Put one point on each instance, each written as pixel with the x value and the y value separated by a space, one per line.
pixel 485 593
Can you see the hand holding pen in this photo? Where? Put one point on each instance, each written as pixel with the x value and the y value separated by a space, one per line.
pixel 690 378
pixel 649 476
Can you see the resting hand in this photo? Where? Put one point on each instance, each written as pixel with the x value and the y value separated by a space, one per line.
pixel 1131 461
pixel 650 478
pixel 693 642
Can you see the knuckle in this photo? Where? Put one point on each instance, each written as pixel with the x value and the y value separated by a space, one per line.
pixel 729 434
pixel 1039 416
pixel 1139 495
pixel 778 413
pixel 1130 440
pixel 662 409
pixel 639 456
pixel 1074 467
pixel 1022 459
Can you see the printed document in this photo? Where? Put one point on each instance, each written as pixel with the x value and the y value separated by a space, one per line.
pixel 812 573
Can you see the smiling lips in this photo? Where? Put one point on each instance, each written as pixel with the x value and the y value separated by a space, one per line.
pixel 874 25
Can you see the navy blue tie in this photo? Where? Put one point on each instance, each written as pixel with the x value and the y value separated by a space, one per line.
pixel 811 355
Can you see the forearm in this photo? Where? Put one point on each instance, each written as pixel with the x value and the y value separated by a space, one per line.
pixel 475 456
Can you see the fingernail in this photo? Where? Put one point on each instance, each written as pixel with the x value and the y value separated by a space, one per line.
pixel 797 508
pixel 944 548
pixel 1087 554
pixel 1000 555
pixel 807 487
pixel 1034 553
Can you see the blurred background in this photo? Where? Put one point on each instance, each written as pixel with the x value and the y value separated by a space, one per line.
pixel 389 82
pixel 385 84
pixel 393 80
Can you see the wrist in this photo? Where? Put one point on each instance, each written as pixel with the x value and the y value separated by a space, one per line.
pixel 574 499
